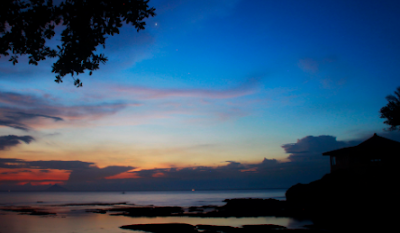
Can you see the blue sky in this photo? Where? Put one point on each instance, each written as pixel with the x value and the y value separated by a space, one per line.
pixel 213 83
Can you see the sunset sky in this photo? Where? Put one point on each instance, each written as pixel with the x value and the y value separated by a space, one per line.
pixel 212 94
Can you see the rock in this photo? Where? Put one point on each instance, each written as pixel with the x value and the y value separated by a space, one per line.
pixel 213 228
pixel 149 211
pixel 252 207
pixel 262 227
pixel 163 227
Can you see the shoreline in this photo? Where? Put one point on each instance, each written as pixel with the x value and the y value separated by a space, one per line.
pixel 160 214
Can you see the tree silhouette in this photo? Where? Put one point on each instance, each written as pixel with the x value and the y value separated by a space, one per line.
pixel 392 111
pixel 26 25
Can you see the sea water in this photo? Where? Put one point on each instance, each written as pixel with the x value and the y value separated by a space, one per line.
pixel 75 218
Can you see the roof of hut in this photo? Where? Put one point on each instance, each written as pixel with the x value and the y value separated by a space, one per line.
pixel 373 144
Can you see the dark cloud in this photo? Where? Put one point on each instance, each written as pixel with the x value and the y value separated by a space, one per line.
pixel 27 116
pixel 51 164
pixel 268 162
pixel 21 111
pixel 14 124
pixel 93 174
pixel 16 172
pixel 232 165
pixel 16 119
pixel 307 148
pixel 12 140
pixel 149 173
pixel 12 163
pixel 59 164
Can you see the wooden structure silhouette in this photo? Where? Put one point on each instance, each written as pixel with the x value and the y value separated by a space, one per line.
pixel 374 153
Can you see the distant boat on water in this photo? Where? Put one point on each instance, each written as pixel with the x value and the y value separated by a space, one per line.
pixel 123 192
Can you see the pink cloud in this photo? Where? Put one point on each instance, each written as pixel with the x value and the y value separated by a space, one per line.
pixel 249 87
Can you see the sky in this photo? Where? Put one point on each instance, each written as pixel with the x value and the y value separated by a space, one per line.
pixel 224 94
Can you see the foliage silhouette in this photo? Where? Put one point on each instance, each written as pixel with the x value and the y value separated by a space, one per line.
pixel 25 25
pixel 392 111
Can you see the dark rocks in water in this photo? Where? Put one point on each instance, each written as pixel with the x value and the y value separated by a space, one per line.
pixel 41 213
pixel 149 211
pixel 97 211
pixel 195 209
pixel 246 207
pixel 187 228
pixel 213 228
pixel 27 211
pixel 163 227
pixel 56 188
pixel 241 207
pixel 253 207
pixel 263 227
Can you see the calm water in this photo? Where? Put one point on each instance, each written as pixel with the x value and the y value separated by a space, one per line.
pixel 75 218
pixel 178 198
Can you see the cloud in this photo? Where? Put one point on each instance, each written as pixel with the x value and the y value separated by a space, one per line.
pixel 16 172
pixel 59 164
pixel 17 120
pixel 91 174
pixel 26 111
pixel 80 172
pixel 248 87
pixel 12 140
pixel 20 116
pixel 308 147
pixel 14 124
pixel 44 164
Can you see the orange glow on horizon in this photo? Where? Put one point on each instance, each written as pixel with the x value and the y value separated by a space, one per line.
pixel 47 183
pixel 41 183
pixel 26 175
pixel 159 174
pixel 249 170
pixel 124 175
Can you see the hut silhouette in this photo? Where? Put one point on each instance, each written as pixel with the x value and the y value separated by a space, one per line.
pixel 374 153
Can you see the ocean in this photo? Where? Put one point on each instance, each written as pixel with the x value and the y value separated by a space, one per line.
pixel 71 219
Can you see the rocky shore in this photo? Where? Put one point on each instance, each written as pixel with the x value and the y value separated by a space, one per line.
pixel 188 228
